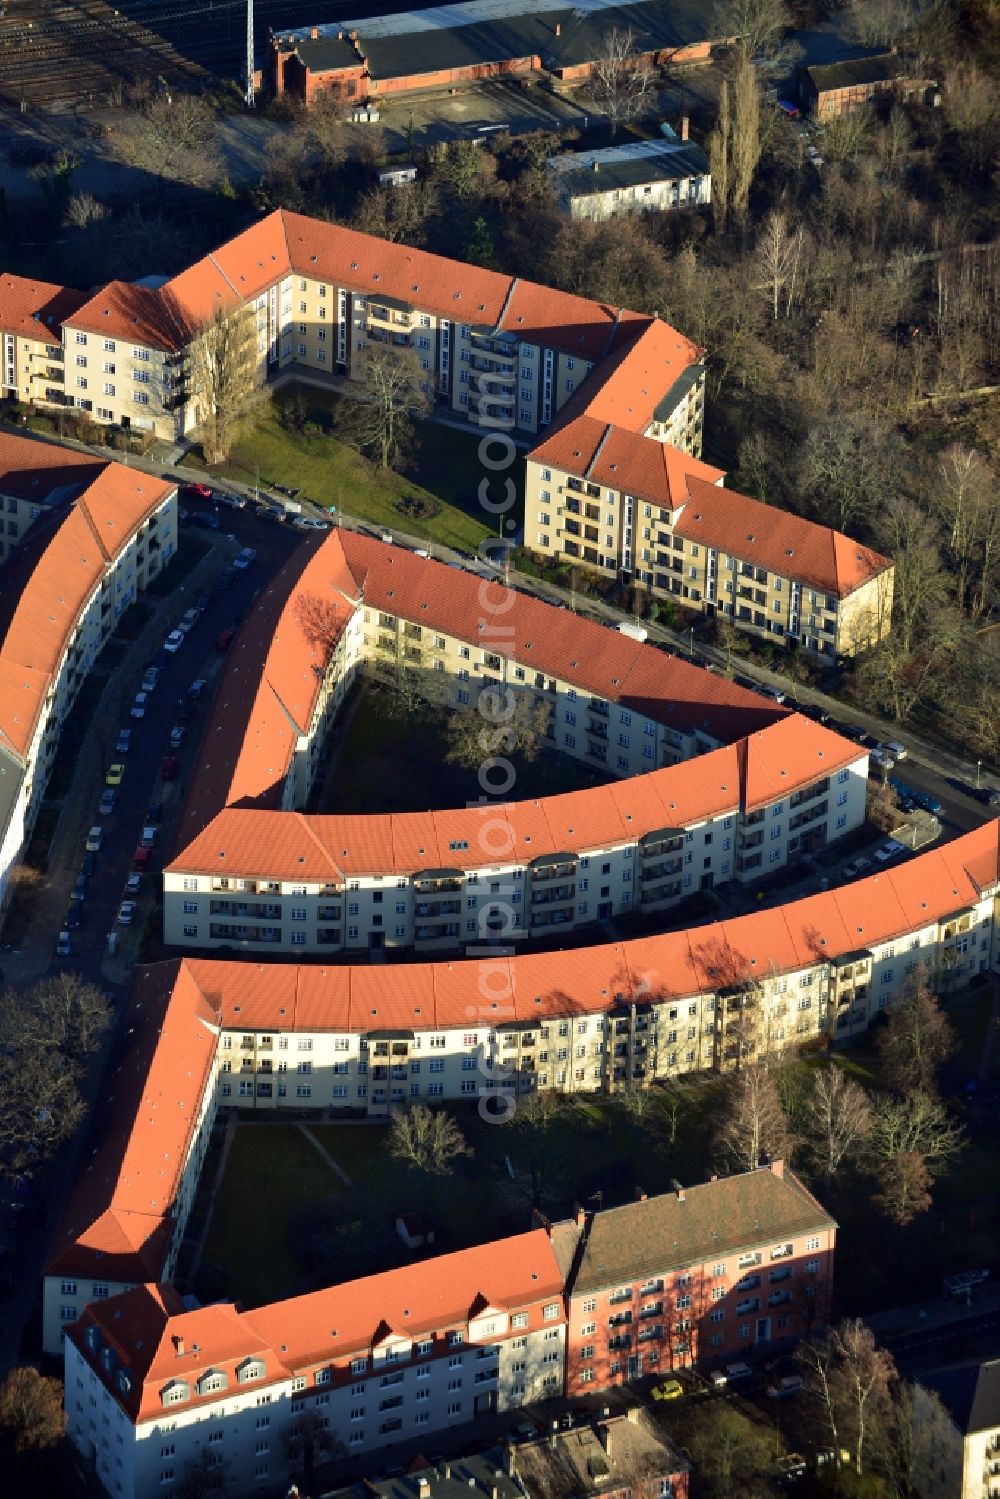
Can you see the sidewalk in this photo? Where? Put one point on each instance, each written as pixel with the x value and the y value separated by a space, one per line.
pixel 925 1316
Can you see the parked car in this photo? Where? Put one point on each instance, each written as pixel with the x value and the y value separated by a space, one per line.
pixel 196 492
pixel 234 501
pixel 310 523
pixel 154 813
pixel 133 883
pixel 244 560
pixel 79 891
pixel 139 702
pixel 928 802
pixel 174 641
pixel 124 742
pixel 856 867
pixel 789 1384
pixel 771 692
pixel 224 641
pixel 670 1389
pixel 792 1466
pixel 106 805
pixel 732 1372
pixel 93 842
pixel 897 751
pixel 168 770
pixel 125 912
pixel 148 838
pixel 150 677
pixel 177 735
pixel 63 945
pixel 882 758
pixel 989 795
pixel 190 617
pixel 115 775
pixel 73 916
pixel 140 859
pixel 197 688
pixel 889 850
pixel 89 865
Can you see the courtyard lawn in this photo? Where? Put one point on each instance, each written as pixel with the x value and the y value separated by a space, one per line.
pixel 397 765
pixel 271 1169
pixel 331 473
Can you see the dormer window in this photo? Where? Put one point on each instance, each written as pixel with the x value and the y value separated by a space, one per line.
pixel 175 1393
pixel 212 1382
pixel 251 1368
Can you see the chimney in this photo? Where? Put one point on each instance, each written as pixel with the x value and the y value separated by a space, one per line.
pixel 509 1465
pixel 634 1414
pixel 314 33
pixel 423 1487
pixel 580 1216
pixel 554 1435
pixel 640 1195
pixel 685 128
pixel 179 1347
pixel 558 28
pixel 678 1189
pixel 446 1470
pixel 595 166
pixel 606 1440
pixel 778 1168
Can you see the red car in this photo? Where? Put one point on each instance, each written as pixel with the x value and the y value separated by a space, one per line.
pixel 197 492
pixel 222 644
pixel 168 770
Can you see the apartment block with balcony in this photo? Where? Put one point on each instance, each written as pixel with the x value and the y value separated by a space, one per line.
pixel 956 1432
pixel 694 1277
pixel 401 1355
pixel 505 353
pixel 617 503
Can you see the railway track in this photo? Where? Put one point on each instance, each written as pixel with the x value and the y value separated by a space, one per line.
pixel 59 52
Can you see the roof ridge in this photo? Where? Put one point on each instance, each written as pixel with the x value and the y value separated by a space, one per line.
pixel 589 467
pixel 306 823
pixel 515 282
pixel 84 509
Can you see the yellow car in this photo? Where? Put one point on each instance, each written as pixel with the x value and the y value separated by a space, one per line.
pixel 670 1389
pixel 115 775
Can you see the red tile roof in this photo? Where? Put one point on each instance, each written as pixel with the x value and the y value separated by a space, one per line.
pixel 156 1341
pixel 269 688
pixel 620 459
pixel 36 309
pixel 627 390
pixel 70 555
pixel 118 1221
pixel 776 539
pixel 774 762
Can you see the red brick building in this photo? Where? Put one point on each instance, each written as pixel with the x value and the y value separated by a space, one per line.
pixel 696 1276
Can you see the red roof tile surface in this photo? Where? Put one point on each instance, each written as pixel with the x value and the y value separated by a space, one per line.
pixel 36 309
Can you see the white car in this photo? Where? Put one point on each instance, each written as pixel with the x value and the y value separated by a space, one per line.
pixel 889 850
pixel 882 757
pixel 896 750
pixel 139 704
pixel 310 523
pixel 133 883
pixel 191 617
pixel 174 641
pixel 790 1384
pixel 93 842
pixel 63 945
pixel 243 561
pixel 177 734
pixel 125 912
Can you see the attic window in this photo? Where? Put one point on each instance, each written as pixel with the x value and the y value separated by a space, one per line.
pixel 222 854
pixel 789 553
pixel 354 265
pixel 538 999
pixel 237 1008
pixel 457 296
pixel 313 259
pixel 373 1012
pixel 751 537
pixel 376 275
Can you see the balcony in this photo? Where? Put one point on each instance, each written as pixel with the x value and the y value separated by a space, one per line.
pixel 557 895
pixel 601 709
pixel 748 1283
pixel 620 1298
pixel 439 911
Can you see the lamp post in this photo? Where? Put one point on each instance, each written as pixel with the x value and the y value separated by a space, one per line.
pixel 691 642
pixel 979 766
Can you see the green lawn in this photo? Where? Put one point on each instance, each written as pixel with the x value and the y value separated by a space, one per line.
pixel 397 764
pixel 272 1169
pixel 446 474
pixel 282 1223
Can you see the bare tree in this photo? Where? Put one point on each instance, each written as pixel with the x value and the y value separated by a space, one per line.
pixel 83 209
pixel 31 1408
pixel 904 1187
pixel 391 390
pixel 396 213
pixel 836 1119
pixel 913 1141
pixel 720 151
pixel 532 1124
pixel 755 24
pixel 847 136
pixel 65 1009
pixel 504 722
pixel 779 260
pixel 747 139
pixel 429 1140
pixel 621 78
pixel 916 1039
pixel 851 1380
pixel 753 1127
pixel 172 137
pixel 966 503
pixel 731 1453
pixel 226 378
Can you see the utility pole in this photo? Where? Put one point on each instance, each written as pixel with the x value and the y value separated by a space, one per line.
pixel 250 89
